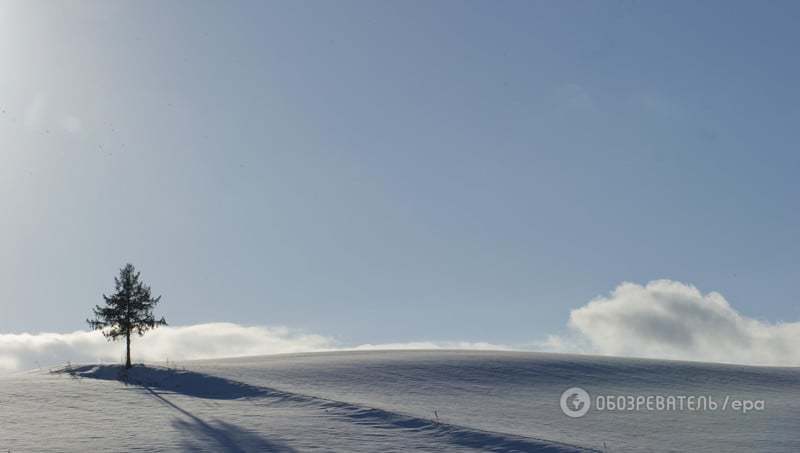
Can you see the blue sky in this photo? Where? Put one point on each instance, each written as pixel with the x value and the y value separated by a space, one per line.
pixel 389 171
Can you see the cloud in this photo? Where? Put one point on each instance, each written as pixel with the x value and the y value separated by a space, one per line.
pixel 201 341
pixel 672 320
pixel 663 319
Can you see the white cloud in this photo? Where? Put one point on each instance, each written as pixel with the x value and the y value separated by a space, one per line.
pixel 663 319
pixel 672 320
pixel 201 341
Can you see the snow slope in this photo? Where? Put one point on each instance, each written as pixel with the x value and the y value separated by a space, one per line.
pixel 385 401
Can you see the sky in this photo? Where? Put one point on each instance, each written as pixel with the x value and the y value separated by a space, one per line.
pixel 389 172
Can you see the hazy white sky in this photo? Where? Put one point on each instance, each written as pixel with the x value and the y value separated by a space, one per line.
pixel 382 172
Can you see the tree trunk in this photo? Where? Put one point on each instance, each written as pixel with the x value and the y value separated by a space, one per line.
pixel 128 350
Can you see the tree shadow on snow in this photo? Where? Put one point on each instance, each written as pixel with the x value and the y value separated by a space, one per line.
pixel 172 380
pixel 224 436
pixel 220 435
pixel 199 434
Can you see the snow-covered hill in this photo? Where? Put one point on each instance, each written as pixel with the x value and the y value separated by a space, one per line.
pixel 394 401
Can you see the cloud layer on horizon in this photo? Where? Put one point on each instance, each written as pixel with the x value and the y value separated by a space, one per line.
pixel 201 341
pixel 667 319
pixel 663 319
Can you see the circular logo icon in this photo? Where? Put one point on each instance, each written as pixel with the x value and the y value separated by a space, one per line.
pixel 575 402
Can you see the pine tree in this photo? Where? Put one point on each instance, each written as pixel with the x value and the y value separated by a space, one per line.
pixel 129 310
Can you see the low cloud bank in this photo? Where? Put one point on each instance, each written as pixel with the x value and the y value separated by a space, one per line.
pixel 672 320
pixel 201 341
pixel 663 319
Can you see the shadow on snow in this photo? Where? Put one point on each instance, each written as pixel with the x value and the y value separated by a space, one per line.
pixel 173 380
pixel 228 437
pixel 198 434
pixel 224 436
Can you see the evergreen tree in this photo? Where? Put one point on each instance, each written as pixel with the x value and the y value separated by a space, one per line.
pixel 129 310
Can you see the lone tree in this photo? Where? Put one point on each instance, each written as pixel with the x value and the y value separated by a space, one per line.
pixel 128 310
